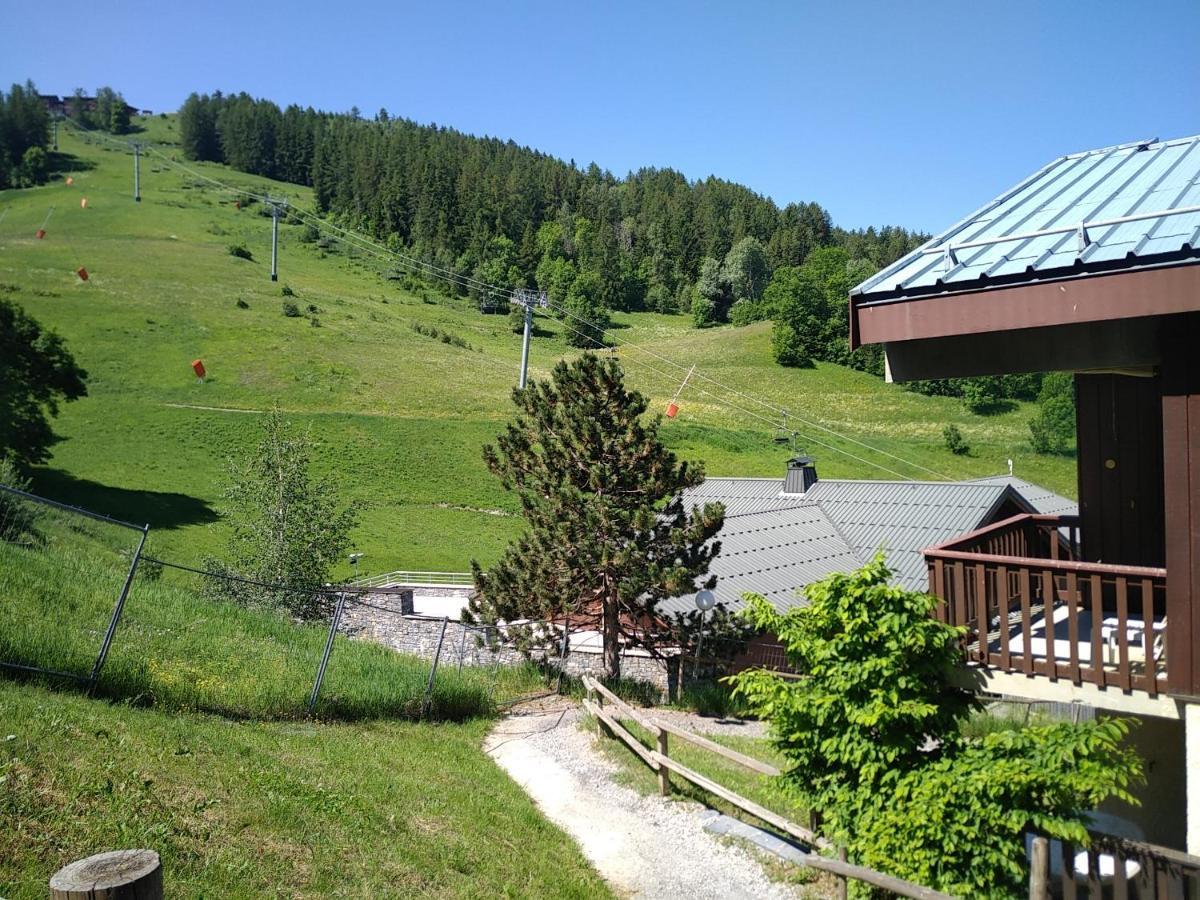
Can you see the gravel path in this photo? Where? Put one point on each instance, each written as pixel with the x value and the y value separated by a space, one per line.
pixel 646 847
pixel 751 728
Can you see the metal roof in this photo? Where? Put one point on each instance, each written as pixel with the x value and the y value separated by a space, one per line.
pixel 1115 208
pixel 773 553
pixel 1041 499
pixel 784 543
pixel 741 495
pixel 904 517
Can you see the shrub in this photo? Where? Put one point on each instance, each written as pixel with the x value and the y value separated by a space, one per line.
pixel 312 308
pixel 516 320
pixel 242 304
pixel 954 440
pixel 240 251
pixel 789 346
pixel 286 526
pixel 287 291
pixel 310 234
pixel 704 311
pixel 746 311
pixel 291 310
pixel 873 734
pixel 1052 430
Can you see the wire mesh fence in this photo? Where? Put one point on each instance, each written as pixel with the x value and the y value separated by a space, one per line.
pixel 65 575
pixel 80 601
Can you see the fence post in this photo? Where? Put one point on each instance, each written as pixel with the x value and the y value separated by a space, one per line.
pixel 1039 869
pixel 598 699
pixel 664 775
pixel 433 669
pixel 117 610
pixel 843 888
pixel 333 627
pixel 462 647
pixel 562 654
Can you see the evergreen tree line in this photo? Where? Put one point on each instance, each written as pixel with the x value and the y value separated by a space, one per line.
pixel 24 137
pixel 514 217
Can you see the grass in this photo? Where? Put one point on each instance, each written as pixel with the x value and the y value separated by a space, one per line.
pixel 401 417
pixel 176 650
pixel 195 746
pixel 270 809
pixel 751 785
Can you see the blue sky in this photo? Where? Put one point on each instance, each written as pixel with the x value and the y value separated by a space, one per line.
pixel 902 113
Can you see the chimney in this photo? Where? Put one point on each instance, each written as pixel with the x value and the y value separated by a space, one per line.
pixel 801 475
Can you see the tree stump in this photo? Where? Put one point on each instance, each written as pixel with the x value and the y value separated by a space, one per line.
pixel 116 875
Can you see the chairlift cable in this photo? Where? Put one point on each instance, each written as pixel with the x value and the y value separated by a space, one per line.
pixel 423 267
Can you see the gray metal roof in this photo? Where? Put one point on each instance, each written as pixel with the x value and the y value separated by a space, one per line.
pixel 1041 499
pixel 741 495
pixel 1118 207
pixel 904 517
pixel 784 543
pixel 773 553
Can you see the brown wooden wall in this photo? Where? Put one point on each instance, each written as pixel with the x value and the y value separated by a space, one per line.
pixel 1120 440
pixel 1181 467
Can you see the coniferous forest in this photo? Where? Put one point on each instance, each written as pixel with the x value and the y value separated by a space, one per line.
pixel 513 217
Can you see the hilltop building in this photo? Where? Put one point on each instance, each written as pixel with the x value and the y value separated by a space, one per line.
pixel 58 106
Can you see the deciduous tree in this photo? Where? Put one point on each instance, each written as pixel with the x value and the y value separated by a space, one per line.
pixel 873 736
pixel 37 372
pixel 286 527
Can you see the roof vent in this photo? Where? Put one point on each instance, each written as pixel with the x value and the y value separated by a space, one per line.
pixel 801 475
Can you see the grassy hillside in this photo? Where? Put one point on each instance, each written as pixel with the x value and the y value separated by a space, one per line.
pixel 399 415
pixel 195 744
pixel 270 809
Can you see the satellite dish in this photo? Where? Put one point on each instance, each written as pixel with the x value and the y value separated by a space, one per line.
pixel 705 600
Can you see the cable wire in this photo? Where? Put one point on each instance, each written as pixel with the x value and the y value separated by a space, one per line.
pixel 416 265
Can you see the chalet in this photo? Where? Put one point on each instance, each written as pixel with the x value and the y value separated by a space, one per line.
pixel 61 106
pixel 1091 265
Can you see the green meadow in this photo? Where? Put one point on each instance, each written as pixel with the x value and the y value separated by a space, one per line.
pixel 399 417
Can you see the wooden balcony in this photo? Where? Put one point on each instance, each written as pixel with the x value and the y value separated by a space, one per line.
pixel 1031 606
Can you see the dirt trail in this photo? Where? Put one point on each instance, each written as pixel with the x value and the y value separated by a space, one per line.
pixel 645 847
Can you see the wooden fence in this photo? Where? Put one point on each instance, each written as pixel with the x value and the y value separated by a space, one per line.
pixel 609 718
pixel 1112 867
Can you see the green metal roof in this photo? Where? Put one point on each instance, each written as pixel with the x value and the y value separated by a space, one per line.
pixel 1122 207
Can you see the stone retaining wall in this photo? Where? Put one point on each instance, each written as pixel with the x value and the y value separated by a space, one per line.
pixel 387 617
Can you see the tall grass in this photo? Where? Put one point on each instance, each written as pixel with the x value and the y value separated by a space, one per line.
pixel 176 650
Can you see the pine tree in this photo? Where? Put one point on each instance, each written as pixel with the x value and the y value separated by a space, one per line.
pixel 608 534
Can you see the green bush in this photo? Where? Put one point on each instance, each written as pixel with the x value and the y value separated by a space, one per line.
pixel 704 311
pixel 745 312
pixel 310 234
pixel 242 304
pixel 1052 430
pixel 240 251
pixel 873 733
pixel 287 291
pixel 291 310
pixel 955 442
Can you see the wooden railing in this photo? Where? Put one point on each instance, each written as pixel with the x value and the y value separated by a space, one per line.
pixel 608 718
pixel 1112 867
pixel 1031 606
